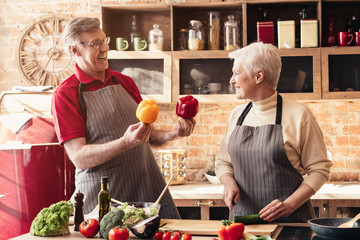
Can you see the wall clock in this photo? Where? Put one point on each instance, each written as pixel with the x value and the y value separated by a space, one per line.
pixel 40 54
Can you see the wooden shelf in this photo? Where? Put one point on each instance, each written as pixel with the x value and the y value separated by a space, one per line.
pixel 176 65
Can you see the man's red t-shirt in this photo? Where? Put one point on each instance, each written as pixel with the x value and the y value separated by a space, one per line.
pixel 69 119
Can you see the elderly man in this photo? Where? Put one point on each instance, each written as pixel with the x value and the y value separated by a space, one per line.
pixel 94 115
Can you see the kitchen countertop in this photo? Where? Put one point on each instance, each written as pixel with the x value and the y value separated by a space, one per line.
pixel 206 190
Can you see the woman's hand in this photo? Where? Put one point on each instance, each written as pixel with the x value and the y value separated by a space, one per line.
pixel 274 210
pixel 231 190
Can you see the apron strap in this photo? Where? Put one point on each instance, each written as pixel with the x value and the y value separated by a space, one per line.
pixel 244 113
pixel 82 89
pixel 278 110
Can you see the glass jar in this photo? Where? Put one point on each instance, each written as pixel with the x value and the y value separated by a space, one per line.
pixel 183 38
pixel 196 36
pixel 155 39
pixel 214 31
pixel 231 34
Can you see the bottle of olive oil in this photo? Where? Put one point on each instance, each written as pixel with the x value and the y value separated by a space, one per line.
pixel 104 198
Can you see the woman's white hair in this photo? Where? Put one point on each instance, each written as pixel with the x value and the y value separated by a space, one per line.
pixel 71 33
pixel 258 56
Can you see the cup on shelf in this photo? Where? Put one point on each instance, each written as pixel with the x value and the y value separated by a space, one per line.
pixel 357 38
pixel 140 44
pixel 345 39
pixel 214 88
pixel 121 44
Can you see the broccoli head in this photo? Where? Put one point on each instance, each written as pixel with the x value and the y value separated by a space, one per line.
pixel 110 220
pixel 53 221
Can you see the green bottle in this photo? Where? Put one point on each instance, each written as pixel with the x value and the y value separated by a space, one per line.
pixel 104 198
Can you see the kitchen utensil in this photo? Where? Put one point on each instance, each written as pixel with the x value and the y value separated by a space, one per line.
pixel 116 201
pixel 350 223
pixel 162 193
pixel 209 227
pixel 327 228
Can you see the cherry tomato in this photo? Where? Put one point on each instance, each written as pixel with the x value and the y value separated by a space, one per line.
pixel 186 236
pixel 175 236
pixel 178 232
pixel 89 228
pixel 166 235
pixel 118 233
pixel 158 235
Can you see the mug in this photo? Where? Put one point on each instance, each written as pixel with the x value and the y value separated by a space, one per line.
pixel 212 88
pixel 121 44
pixel 345 38
pixel 139 44
pixel 357 38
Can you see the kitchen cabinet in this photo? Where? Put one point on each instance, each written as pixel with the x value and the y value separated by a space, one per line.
pixel 307 74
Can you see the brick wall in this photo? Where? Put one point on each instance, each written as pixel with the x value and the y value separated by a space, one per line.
pixel 339 120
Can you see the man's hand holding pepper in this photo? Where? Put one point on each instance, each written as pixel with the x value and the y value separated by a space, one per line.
pixel 136 134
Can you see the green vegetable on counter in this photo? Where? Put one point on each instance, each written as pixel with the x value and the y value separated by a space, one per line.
pixel 53 221
pixel 115 218
pixel 249 219
pixel 248 236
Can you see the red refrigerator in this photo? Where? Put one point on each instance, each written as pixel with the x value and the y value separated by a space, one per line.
pixel 34 173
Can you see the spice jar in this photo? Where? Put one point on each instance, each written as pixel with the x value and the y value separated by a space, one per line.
pixel 231 33
pixel 214 31
pixel 196 36
pixel 155 39
pixel 183 38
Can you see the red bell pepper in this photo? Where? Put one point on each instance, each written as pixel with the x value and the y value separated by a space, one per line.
pixel 187 107
pixel 233 231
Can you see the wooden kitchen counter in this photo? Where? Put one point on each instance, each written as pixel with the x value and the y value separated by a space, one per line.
pixel 206 195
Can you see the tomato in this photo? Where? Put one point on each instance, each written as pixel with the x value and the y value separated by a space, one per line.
pixel 186 236
pixel 89 228
pixel 158 235
pixel 166 236
pixel 118 233
pixel 175 236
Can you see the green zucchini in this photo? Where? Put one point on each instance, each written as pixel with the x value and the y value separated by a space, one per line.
pixel 249 219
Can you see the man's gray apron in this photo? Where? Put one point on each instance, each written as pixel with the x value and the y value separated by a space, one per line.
pixel 262 170
pixel 134 175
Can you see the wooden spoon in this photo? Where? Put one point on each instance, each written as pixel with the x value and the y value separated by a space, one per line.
pixel 155 204
pixel 350 223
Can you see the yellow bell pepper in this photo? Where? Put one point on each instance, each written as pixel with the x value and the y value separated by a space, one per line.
pixel 147 111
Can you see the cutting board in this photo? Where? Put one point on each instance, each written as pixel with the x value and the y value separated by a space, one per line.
pixel 208 227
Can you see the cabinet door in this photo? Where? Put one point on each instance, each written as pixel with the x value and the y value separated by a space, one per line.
pixel 340 72
pixel 300 76
pixel 151 71
pixel 197 74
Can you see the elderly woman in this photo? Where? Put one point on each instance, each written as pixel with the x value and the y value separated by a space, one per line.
pixel 94 113
pixel 269 144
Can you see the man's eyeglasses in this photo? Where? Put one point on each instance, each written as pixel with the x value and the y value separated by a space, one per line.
pixel 97 45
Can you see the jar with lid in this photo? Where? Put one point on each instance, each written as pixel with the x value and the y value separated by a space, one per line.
pixel 155 39
pixel 196 36
pixel 214 31
pixel 183 38
pixel 231 34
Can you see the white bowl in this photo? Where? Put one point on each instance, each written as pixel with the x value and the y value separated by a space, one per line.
pixel 212 179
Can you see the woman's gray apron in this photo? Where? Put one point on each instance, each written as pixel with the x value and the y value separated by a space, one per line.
pixel 134 175
pixel 262 170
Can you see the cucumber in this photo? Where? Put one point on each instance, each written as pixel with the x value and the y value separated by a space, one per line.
pixel 249 219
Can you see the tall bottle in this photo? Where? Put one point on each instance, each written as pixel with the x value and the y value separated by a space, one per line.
pixel 104 198
pixel 134 32
pixel 330 36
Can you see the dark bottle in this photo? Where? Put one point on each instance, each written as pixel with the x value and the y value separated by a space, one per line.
pixel 79 214
pixel 330 38
pixel 104 198
pixel 134 32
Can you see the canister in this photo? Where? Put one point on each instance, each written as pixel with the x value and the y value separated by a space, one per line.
pixel 308 33
pixel 265 31
pixel 286 34
pixel 231 34
pixel 196 36
pixel 214 30
pixel 155 39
